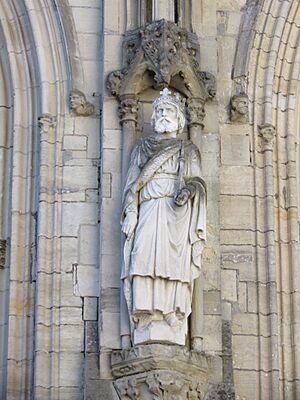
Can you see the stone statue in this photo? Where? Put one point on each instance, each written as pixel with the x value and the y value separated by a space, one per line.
pixel 239 108
pixel 79 104
pixel 164 220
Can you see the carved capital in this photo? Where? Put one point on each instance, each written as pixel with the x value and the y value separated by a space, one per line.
pixel 239 109
pixel 144 372
pixel 267 134
pixel 2 253
pixel 160 385
pixel 128 110
pixel 46 122
pixel 195 112
pixel 79 104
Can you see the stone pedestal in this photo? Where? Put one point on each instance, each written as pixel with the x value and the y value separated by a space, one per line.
pixel 165 372
pixel 162 332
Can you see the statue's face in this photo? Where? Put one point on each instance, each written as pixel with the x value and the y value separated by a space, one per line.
pixel 75 100
pixel 166 119
pixel 241 105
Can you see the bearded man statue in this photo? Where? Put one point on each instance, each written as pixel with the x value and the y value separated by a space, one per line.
pixel 164 220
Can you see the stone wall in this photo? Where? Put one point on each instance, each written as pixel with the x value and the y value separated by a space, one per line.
pixel 60 193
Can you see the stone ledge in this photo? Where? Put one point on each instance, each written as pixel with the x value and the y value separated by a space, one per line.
pixel 160 370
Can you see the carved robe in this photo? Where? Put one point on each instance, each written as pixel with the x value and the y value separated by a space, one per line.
pixel 163 258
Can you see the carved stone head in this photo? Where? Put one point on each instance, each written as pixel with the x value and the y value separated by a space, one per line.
pixel 79 105
pixel 239 108
pixel 168 113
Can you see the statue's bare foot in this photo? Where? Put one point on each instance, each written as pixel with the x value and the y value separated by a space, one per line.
pixel 173 321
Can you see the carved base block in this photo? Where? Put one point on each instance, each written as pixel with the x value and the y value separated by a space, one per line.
pixel 161 331
pixel 166 372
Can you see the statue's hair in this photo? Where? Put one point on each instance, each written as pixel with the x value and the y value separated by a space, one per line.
pixel 180 116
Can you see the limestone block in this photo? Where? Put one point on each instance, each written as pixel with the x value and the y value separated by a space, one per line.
pixel 80 177
pixel 235 150
pixel 74 142
pixel 90 309
pixel 233 23
pixel 84 126
pixel 71 338
pixel 75 214
pixel 245 324
pixel 110 299
pixel 86 281
pixel 212 302
pixel 102 389
pixel 91 338
pixel 88 244
pixel 112 138
pixel 210 143
pixel 246 384
pixel 87 19
pixel 88 3
pixel 71 365
pixel 242 296
pixel 245 352
pixel 210 165
pixel 66 252
pixel 236 180
pixel 110 270
pixel 237 237
pixel 89 46
pixel 210 120
pixel 69 196
pixel 240 258
pixel 113 55
pixel 228 285
pixel 91 196
pixel 211 275
pixel 110 330
pixel 252 297
pixel 112 17
pixel 55 290
pixel 237 212
pixel 226 311
pixel 111 160
pixel 106 185
pixel 212 340
pixel 93 147
pixel 64 315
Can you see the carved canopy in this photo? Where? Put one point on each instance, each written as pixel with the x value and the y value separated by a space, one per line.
pixel 158 55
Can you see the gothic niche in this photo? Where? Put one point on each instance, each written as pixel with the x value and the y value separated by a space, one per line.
pixel 163 216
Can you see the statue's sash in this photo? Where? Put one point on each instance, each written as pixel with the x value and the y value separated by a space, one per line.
pixel 153 165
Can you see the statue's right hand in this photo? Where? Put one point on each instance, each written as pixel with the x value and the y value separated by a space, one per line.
pixel 129 224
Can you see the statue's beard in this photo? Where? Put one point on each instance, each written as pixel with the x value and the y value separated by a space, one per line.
pixel 165 125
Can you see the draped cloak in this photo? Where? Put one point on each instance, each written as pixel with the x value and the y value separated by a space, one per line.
pixel 163 257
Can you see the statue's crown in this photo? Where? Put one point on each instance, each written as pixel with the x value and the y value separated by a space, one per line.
pixel 166 96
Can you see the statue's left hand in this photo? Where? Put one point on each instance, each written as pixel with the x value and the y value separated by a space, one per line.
pixel 182 197
pixel 129 224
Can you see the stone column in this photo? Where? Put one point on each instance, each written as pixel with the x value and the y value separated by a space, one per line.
pixel 163 9
pixel 128 119
pixel 267 134
pixel 196 114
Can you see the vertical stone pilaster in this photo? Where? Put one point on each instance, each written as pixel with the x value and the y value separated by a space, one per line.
pixel 128 111
pixel 267 291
